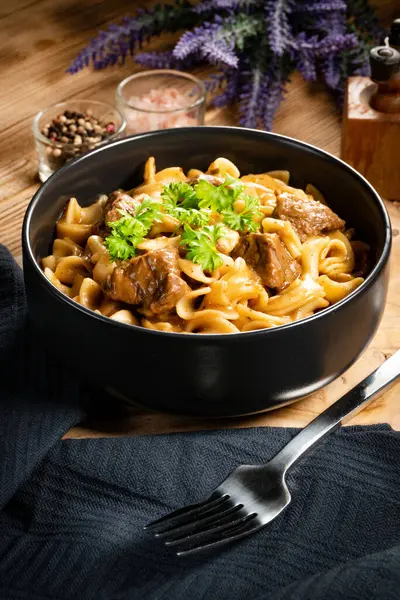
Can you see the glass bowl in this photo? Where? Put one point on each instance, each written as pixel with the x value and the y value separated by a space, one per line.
pixel 53 154
pixel 161 99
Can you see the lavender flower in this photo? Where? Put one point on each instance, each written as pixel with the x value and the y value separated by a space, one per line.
pixel 272 99
pixel 113 45
pixel 304 55
pixel 190 42
pixel 331 70
pixel 165 60
pixel 262 87
pixel 219 52
pixel 230 92
pixel 250 98
pixel 331 44
pixel 216 41
pixel 278 26
pixel 216 80
pixel 319 6
pixel 230 5
pixel 273 89
pixel 211 41
pixel 333 23
pixel 255 44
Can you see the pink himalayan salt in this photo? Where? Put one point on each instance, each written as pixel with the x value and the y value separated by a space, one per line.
pixel 163 99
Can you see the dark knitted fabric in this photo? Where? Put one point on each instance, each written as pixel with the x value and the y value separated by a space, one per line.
pixel 72 512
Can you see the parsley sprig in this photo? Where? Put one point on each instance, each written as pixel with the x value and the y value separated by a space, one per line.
pixel 201 245
pixel 222 199
pixel 218 198
pixel 244 220
pixel 129 230
pixel 180 201
pixel 180 193
pixel 192 206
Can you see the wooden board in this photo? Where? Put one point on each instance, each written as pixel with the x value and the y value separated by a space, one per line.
pixel 38 40
pixel 370 139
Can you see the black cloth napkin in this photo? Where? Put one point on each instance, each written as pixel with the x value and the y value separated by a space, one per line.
pixel 72 512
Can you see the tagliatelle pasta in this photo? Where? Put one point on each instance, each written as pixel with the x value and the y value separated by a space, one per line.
pixel 206 252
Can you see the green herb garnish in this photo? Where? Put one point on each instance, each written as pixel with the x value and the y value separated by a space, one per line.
pixel 222 198
pixel 192 206
pixel 243 221
pixel 201 245
pixel 180 193
pixel 180 201
pixel 216 198
pixel 129 230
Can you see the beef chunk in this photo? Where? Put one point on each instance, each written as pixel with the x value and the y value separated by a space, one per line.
pixel 151 280
pixel 269 258
pixel 119 201
pixel 308 217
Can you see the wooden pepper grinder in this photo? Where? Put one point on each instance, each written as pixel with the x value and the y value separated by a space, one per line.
pixel 371 119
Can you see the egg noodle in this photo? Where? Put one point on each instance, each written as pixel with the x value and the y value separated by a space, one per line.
pixel 230 298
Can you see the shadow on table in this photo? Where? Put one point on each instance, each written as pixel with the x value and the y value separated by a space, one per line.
pixel 106 416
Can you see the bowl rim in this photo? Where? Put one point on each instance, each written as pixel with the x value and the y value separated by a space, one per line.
pixel 325 313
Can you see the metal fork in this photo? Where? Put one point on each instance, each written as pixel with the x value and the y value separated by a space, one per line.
pixel 252 496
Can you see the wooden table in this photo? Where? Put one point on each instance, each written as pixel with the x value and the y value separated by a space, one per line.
pixel 38 40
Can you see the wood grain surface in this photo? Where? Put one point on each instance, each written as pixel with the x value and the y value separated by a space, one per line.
pixel 38 40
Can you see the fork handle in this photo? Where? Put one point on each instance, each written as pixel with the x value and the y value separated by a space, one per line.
pixel 355 400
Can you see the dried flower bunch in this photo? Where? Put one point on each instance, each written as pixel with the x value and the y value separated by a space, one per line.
pixel 256 44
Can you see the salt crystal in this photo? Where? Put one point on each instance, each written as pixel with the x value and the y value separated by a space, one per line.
pixel 160 100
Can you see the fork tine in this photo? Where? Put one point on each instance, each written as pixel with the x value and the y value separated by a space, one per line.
pixel 208 521
pixel 181 515
pixel 211 531
pixel 236 533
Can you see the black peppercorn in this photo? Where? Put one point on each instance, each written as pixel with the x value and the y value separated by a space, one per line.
pixel 73 133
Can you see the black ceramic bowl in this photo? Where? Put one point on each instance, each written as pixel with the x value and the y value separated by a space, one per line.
pixel 208 375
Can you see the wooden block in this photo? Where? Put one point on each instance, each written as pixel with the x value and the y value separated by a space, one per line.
pixel 370 139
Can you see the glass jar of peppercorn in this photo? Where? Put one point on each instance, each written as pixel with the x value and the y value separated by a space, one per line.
pixel 66 130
